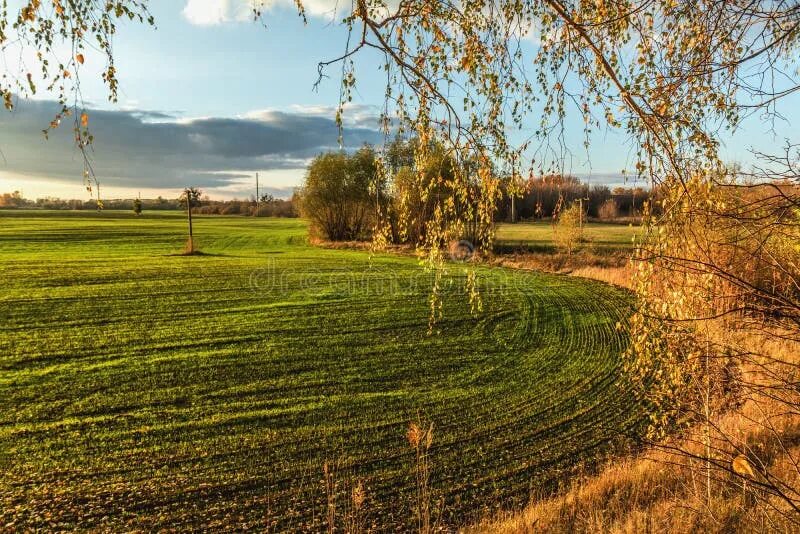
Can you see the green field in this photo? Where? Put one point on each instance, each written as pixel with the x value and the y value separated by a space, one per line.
pixel 538 236
pixel 146 390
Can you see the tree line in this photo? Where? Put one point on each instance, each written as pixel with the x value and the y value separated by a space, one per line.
pixel 395 192
pixel 268 206
pixel 538 198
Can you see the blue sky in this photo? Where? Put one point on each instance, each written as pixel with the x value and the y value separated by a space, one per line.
pixel 242 97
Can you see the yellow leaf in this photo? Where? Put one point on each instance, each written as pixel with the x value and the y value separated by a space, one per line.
pixel 741 466
pixel 79 58
pixel 84 120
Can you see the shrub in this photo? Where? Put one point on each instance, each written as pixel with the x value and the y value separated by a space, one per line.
pixel 276 208
pixel 231 208
pixel 336 195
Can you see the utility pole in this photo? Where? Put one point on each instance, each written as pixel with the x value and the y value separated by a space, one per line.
pixel 580 206
pixel 258 198
pixel 512 189
pixel 580 215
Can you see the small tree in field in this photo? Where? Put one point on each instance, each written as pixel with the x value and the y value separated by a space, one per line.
pixel 137 206
pixel 567 230
pixel 190 199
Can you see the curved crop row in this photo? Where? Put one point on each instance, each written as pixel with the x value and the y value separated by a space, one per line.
pixel 151 391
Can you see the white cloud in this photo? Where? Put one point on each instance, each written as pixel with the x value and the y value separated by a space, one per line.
pixel 322 8
pixel 214 12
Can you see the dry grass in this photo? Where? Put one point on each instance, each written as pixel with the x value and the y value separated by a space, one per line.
pixel 190 248
pixel 612 269
pixel 662 490
pixel 617 276
pixel 655 492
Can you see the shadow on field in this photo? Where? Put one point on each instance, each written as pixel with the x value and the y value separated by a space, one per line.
pixel 200 254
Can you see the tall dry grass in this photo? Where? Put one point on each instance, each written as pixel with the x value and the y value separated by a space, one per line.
pixel 420 437
pixel 670 488
pixel 345 499
pixel 617 276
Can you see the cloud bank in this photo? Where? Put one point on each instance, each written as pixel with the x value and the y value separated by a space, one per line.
pixel 155 150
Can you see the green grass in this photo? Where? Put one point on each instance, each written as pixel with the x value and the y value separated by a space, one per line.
pixel 538 236
pixel 142 389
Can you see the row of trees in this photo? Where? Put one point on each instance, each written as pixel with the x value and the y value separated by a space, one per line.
pixel 541 198
pixel 349 197
pixel 13 200
pixel 268 206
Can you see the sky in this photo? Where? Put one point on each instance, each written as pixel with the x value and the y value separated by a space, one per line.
pixel 210 97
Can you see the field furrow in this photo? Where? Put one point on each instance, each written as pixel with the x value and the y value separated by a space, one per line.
pixel 147 390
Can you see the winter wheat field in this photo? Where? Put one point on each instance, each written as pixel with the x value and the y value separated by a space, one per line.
pixel 263 382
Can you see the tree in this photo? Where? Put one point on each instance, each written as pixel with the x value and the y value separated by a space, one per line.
pixel 193 195
pixel 190 199
pixel 137 206
pixel 567 230
pixel 416 187
pixel 13 200
pixel 339 194
pixel 421 180
pixel 718 325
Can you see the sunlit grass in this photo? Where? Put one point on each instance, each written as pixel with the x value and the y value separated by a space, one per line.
pixel 145 389
pixel 538 236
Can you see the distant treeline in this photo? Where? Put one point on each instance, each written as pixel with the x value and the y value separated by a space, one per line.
pixel 540 197
pixel 267 207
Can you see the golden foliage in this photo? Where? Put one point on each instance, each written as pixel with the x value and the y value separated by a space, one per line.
pixel 568 229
